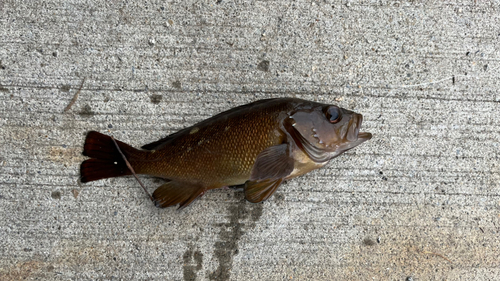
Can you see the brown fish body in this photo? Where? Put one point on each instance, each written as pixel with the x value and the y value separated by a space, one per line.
pixel 257 145
pixel 219 151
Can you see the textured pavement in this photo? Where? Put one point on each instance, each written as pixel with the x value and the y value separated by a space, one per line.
pixel 420 201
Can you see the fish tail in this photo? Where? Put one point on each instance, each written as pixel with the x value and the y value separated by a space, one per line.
pixel 106 161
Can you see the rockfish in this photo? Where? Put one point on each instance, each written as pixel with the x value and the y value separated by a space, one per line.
pixel 254 147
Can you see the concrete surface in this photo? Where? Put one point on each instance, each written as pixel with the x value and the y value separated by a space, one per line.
pixel 420 201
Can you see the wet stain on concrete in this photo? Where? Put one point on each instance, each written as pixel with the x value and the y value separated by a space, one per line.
pixel 21 271
pixel 86 111
pixel 227 246
pixel 67 156
pixel 189 269
pixel 156 99
pixel 426 252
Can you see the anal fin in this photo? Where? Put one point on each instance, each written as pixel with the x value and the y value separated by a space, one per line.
pixel 258 191
pixel 174 192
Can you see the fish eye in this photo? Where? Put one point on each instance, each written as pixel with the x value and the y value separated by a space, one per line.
pixel 333 114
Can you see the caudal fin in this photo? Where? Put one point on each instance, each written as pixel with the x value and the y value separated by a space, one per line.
pixel 106 161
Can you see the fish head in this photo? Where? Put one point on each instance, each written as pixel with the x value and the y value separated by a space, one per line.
pixel 326 131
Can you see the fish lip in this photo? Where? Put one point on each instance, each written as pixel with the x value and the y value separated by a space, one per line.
pixel 352 133
pixel 362 135
pixel 365 136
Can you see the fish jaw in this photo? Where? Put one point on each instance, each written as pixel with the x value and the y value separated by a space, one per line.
pixel 361 138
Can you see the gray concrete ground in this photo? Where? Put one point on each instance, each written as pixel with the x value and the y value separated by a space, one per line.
pixel 420 201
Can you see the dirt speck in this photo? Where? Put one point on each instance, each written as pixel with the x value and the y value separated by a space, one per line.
pixel 65 88
pixel 279 197
pixel 156 99
pixel 263 66
pixel 368 242
pixel 86 111
pixel 177 84
pixel 75 192
pixel 56 195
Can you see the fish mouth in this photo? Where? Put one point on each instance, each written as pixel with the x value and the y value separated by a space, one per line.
pixel 360 138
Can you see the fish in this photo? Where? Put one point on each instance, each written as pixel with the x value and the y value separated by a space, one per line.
pixel 253 148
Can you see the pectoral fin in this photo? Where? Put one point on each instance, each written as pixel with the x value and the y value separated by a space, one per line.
pixel 272 163
pixel 173 193
pixel 258 191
